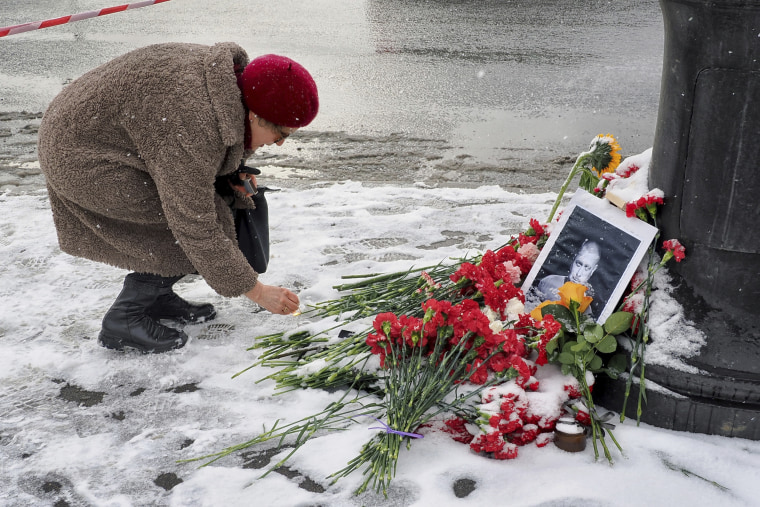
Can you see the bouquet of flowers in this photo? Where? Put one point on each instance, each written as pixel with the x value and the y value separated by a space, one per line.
pixel 451 347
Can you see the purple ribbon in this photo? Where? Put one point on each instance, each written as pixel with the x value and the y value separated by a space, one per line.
pixel 388 429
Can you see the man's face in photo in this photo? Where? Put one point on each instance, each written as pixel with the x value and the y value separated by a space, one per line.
pixel 585 264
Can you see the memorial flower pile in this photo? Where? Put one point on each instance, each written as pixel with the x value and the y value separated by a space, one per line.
pixel 452 348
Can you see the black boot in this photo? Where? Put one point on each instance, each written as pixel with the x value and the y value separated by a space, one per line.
pixel 170 306
pixel 126 324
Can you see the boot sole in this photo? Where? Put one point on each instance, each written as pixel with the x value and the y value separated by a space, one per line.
pixel 116 343
pixel 179 320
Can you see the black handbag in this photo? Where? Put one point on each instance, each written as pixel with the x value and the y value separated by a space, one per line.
pixel 252 226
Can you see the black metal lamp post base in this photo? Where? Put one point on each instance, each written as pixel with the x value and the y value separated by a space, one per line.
pixel 722 399
pixel 706 159
pixel 670 410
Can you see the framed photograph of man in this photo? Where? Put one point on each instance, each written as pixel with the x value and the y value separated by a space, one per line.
pixel 594 244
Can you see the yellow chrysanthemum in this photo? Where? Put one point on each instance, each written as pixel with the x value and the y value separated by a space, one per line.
pixel 572 291
pixel 606 154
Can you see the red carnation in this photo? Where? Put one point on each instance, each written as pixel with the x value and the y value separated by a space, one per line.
pixel 536 228
pixel 573 390
pixel 544 439
pixel 513 424
pixel 456 427
pixel 489 442
pixel 646 203
pixel 480 375
pixel 526 435
pixel 625 172
pixel 675 248
pixel 509 451
pixel 583 417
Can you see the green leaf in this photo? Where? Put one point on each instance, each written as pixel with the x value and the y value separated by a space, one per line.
pixel 595 364
pixel 618 322
pixel 580 346
pixel 607 345
pixel 618 363
pixel 566 358
pixel 593 333
pixel 560 313
pixel 568 346
pixel 552 345
pixel 588 180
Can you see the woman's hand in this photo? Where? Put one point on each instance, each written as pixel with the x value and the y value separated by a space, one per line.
pixel 240 188
pixel 274 299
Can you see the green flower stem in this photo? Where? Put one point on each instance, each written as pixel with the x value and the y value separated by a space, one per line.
pixel 334 417
pixel 612 436
pixel 579 164
pixel 579 371
pixel 597 432
pixel 642 335
pixel 642 390
pixel 394 292
pixel 416 386
pixel 375 279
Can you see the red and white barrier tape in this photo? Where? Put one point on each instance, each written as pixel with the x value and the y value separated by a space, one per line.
pixel 26 27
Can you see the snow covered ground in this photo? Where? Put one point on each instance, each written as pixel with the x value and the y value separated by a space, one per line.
pixel 408 98
pixel 83 425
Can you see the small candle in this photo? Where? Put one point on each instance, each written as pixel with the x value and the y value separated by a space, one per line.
pixel 569 436
pixel 569 428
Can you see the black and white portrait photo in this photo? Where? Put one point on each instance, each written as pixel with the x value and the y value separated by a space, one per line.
pixel 594 244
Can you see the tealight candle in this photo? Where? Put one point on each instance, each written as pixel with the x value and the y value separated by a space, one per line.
pixel 569 436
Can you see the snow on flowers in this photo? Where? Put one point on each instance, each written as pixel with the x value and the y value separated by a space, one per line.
pixel 513 414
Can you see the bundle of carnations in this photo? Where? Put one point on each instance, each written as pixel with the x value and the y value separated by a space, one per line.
pixel 451 347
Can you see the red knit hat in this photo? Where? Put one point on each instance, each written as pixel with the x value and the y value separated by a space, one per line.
pixel 279 90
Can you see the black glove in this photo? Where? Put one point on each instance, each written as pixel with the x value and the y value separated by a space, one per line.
pixel 244 169
pixel 248 170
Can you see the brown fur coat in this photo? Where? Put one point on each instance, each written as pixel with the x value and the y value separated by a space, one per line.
pixel 130 152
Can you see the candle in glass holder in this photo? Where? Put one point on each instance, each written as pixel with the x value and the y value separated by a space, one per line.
pixel 569 435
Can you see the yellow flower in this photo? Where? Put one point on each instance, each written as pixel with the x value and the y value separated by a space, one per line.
pixel 537 313
pixel 606 154
pixel 572 291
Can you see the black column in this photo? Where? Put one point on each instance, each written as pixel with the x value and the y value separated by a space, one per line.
pixel 706 158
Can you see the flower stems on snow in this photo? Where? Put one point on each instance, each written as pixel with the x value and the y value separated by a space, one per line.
pixel 339 362
pixel 399 293
pixel 307 360
pixel 416 384
pixel 335 417
pixel 442 326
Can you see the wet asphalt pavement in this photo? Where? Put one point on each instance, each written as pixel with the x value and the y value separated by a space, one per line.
pixel 466 93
